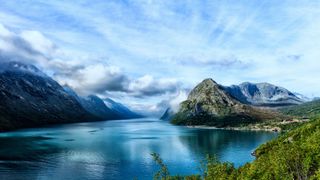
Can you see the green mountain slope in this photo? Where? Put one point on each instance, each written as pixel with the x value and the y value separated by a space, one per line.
pixel 309 109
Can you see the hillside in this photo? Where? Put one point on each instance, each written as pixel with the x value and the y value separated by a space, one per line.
pixel 120 110
pixel 107 109
pixel 306 110
pixel 209 104
pixel 29 98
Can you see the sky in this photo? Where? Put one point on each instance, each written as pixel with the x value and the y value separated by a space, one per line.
pixel 148 54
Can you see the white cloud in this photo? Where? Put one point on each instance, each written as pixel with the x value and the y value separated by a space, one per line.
pixel 4 32
pixel 157 109
pixel 147 85
pixel 29 46
pixel 39 42
pixel 95 78
pixel 175 102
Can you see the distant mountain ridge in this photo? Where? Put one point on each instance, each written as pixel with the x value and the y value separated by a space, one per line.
pixel 120 109
pixel 106 109
pixel 30 98
pixel 210 104
pixel 263 94
pixel 94 105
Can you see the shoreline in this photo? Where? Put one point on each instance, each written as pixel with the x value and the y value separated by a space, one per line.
pixel 268 129
pixel 254 127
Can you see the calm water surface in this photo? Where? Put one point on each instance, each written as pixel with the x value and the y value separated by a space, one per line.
pixel 118 149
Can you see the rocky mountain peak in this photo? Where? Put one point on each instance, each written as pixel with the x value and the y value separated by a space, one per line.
pixel 205 86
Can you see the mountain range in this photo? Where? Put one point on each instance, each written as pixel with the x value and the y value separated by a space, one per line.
pixel 105 109
pixel 30 98
pixel 210 104
pixel 257 94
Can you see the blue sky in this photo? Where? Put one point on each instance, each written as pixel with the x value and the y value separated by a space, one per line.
pixel 148 53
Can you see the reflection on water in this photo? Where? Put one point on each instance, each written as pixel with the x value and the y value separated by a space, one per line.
pixel 118 149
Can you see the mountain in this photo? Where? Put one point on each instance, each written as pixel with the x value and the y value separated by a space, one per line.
pixel 259 94
pixel 210 104
pixel 106 109
pixel 120 109
pixel 95 106
pixel 30 98
pixel 168 114
pixel 263 94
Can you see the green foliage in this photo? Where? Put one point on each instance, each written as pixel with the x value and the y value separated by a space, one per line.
pixel 220 171
pixel 293 155
pixel 233 120
pixel 163 173
pixel 308 110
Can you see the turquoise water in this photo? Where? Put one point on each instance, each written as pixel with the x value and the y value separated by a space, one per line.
pixel 119 149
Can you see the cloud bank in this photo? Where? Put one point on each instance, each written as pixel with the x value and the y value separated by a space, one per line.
pixel 94 78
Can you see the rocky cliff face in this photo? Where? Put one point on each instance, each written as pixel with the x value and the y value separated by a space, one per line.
pixel 209 104
pixel 263 94
pixel 29 98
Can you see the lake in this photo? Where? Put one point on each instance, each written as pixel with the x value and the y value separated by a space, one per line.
pixel 119 149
